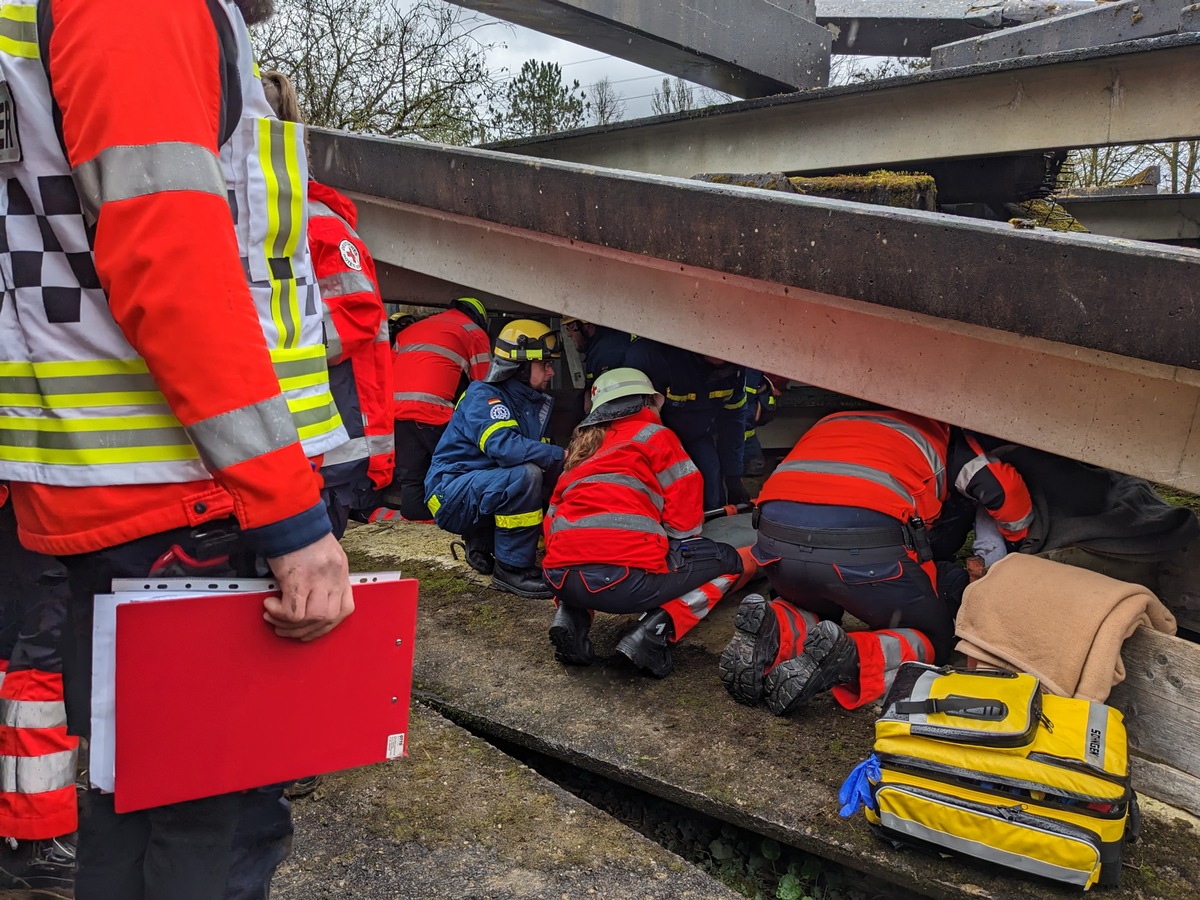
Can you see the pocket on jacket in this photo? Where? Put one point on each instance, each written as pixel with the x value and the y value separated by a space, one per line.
pixel 872 574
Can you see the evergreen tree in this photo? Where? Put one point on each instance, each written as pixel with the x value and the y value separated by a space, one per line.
pixel 540 102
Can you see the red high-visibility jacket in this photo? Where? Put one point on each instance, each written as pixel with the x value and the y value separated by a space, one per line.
pixel 898 464
pixel 356 336
pixel 434 360
pixel 169 264
pixel 622 504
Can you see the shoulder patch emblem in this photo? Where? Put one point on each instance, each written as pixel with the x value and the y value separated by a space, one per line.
pixel 494 400
pixel 501 412
pixel 350 256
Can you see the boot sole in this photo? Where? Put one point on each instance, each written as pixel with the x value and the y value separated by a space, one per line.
pixel 794 682
pixel 744 660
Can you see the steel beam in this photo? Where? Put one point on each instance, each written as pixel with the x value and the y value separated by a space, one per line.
pixel 1133 93
pixel 1109 23
pixel 747 48
pixel 1139 217
pixel 1074 344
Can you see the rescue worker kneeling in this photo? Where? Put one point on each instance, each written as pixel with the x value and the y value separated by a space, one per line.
pixel 622 530
pixel 493 467
pixel 842 527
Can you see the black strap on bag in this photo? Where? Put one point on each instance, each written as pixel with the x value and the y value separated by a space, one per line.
pixel 966 707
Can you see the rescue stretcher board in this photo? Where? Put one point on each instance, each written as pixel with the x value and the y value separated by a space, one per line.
pixel 206 699
pixel 735 530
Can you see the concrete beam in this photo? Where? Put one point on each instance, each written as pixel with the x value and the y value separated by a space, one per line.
pixel 899 28
pixel 1073 344
pixel 1109 23
pixel 1139 217
pixel 1134 93
pixel 747 48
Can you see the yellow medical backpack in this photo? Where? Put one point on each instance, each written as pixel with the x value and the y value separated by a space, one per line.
pixel 982 763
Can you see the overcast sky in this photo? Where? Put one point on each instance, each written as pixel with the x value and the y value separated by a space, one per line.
pixel 588 66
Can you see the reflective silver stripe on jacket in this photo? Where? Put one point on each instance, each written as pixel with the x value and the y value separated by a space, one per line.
pixel 850 470
pixel 246 433
pixel 1019 525
pixel 37 774
pixel 136 170
pixel 647 432
pixel 672 474
pixel 32 713
pixel 628 481
pixel 937 466
pixel 333 340
pixel 106 439
pixel 20 32
pixel 973 467
pixel 617 521
pixel 317 208
pixel 419 397
pixel 480 358
pixel 359 448
pixel 340 284
pixel 439 350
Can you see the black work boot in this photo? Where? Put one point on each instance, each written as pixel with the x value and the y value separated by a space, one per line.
pixel 648 646
pixel 569 634
pixel 753 647
pixel 477 548
pixel 830 658
pixel 522 582
pixel 51 867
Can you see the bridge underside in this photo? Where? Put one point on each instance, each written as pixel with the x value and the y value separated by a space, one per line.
pixel 1079 345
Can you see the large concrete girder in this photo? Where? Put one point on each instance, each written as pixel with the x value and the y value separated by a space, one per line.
pixel 1075 344
pixel 898 28
pixel 1133 93
pixel 1140 217
pixel 747 48
pixel 1108 23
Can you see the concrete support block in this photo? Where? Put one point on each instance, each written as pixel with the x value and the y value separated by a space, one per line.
pixel 1189 18
pixel 1108 23
pixel 748 48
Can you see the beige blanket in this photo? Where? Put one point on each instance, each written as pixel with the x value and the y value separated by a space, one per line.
pixel 1058 622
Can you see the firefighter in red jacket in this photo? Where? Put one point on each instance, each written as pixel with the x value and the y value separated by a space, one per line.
pixel 129 450
pixel 843 527
pixel 622 531
pixel 435 359
pixel 356 338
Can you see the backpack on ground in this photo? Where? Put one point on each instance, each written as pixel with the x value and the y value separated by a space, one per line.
pixel 982 763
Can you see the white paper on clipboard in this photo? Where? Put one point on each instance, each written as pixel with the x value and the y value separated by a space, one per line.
pixel 102 746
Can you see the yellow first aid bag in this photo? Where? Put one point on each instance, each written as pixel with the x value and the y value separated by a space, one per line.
pixel 983 763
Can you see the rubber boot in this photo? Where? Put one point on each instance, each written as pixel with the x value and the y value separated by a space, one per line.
pixel 648 646
pixel 522 582
pixel 830 658
pixel 478 547
pixel 569 634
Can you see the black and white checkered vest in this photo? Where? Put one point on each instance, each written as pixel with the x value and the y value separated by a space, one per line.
pixel 77 404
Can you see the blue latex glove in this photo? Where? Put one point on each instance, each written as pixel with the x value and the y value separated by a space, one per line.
pixel 856 790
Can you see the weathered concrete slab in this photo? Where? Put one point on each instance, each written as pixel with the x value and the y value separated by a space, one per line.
pixel 747 48
pixel 458 818
pixel 484 657
pixel 1107 23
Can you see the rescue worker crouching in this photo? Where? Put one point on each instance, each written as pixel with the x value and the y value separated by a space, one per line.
pixel 622 531
pixel 494 466
pixel 843 527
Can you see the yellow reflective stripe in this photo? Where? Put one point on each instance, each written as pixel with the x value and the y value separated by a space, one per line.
pixel 285 214
pixel 737 405
pixel 492 429
pixel 83 401
pixel 90 437
pixel 717 395
pixel 314 415
pixel 18 31
pixel 136 366
pixel 434 504
pixel 680 397
pixel 520 520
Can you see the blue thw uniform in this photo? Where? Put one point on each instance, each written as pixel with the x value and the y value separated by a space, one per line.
pixel 604 350
pixel 494 460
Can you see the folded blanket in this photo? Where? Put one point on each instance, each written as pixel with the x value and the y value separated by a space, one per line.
pixel 1061 623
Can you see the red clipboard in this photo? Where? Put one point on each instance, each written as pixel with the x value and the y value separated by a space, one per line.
pixel 209 700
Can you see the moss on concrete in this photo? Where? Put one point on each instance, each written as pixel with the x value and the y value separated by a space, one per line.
pixel 906 190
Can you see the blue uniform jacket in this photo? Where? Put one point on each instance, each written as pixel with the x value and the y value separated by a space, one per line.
pixel 494 425
pixel 606 350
